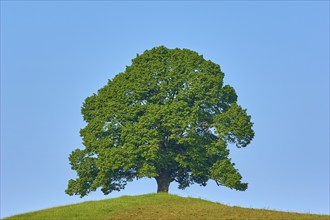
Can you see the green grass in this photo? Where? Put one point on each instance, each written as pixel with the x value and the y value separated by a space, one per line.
pixel 159 206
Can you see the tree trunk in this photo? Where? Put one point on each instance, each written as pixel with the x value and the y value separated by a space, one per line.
pixel 163 182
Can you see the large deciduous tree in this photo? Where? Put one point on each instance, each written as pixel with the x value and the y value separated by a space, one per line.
pixel 168 116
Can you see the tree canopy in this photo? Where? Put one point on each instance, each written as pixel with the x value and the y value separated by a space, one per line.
pixel 168 116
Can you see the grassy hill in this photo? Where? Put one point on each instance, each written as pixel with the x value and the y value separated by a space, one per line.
pixel 158 206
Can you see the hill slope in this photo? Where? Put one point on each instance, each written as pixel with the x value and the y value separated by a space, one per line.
pixel 158 206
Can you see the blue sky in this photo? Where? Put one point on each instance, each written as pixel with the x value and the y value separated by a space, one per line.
pixel 275 54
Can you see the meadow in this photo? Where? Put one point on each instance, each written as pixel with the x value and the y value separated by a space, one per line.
pixel 159 206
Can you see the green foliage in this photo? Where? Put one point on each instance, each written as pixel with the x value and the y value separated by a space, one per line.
pixel 158 206
pixel 168 112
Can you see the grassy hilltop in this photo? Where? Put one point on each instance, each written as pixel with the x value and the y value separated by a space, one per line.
pixel 158 206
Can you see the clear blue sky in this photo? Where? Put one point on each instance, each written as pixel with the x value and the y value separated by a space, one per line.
pixel 275 54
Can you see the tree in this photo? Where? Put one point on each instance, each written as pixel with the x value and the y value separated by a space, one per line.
pixel 168 116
